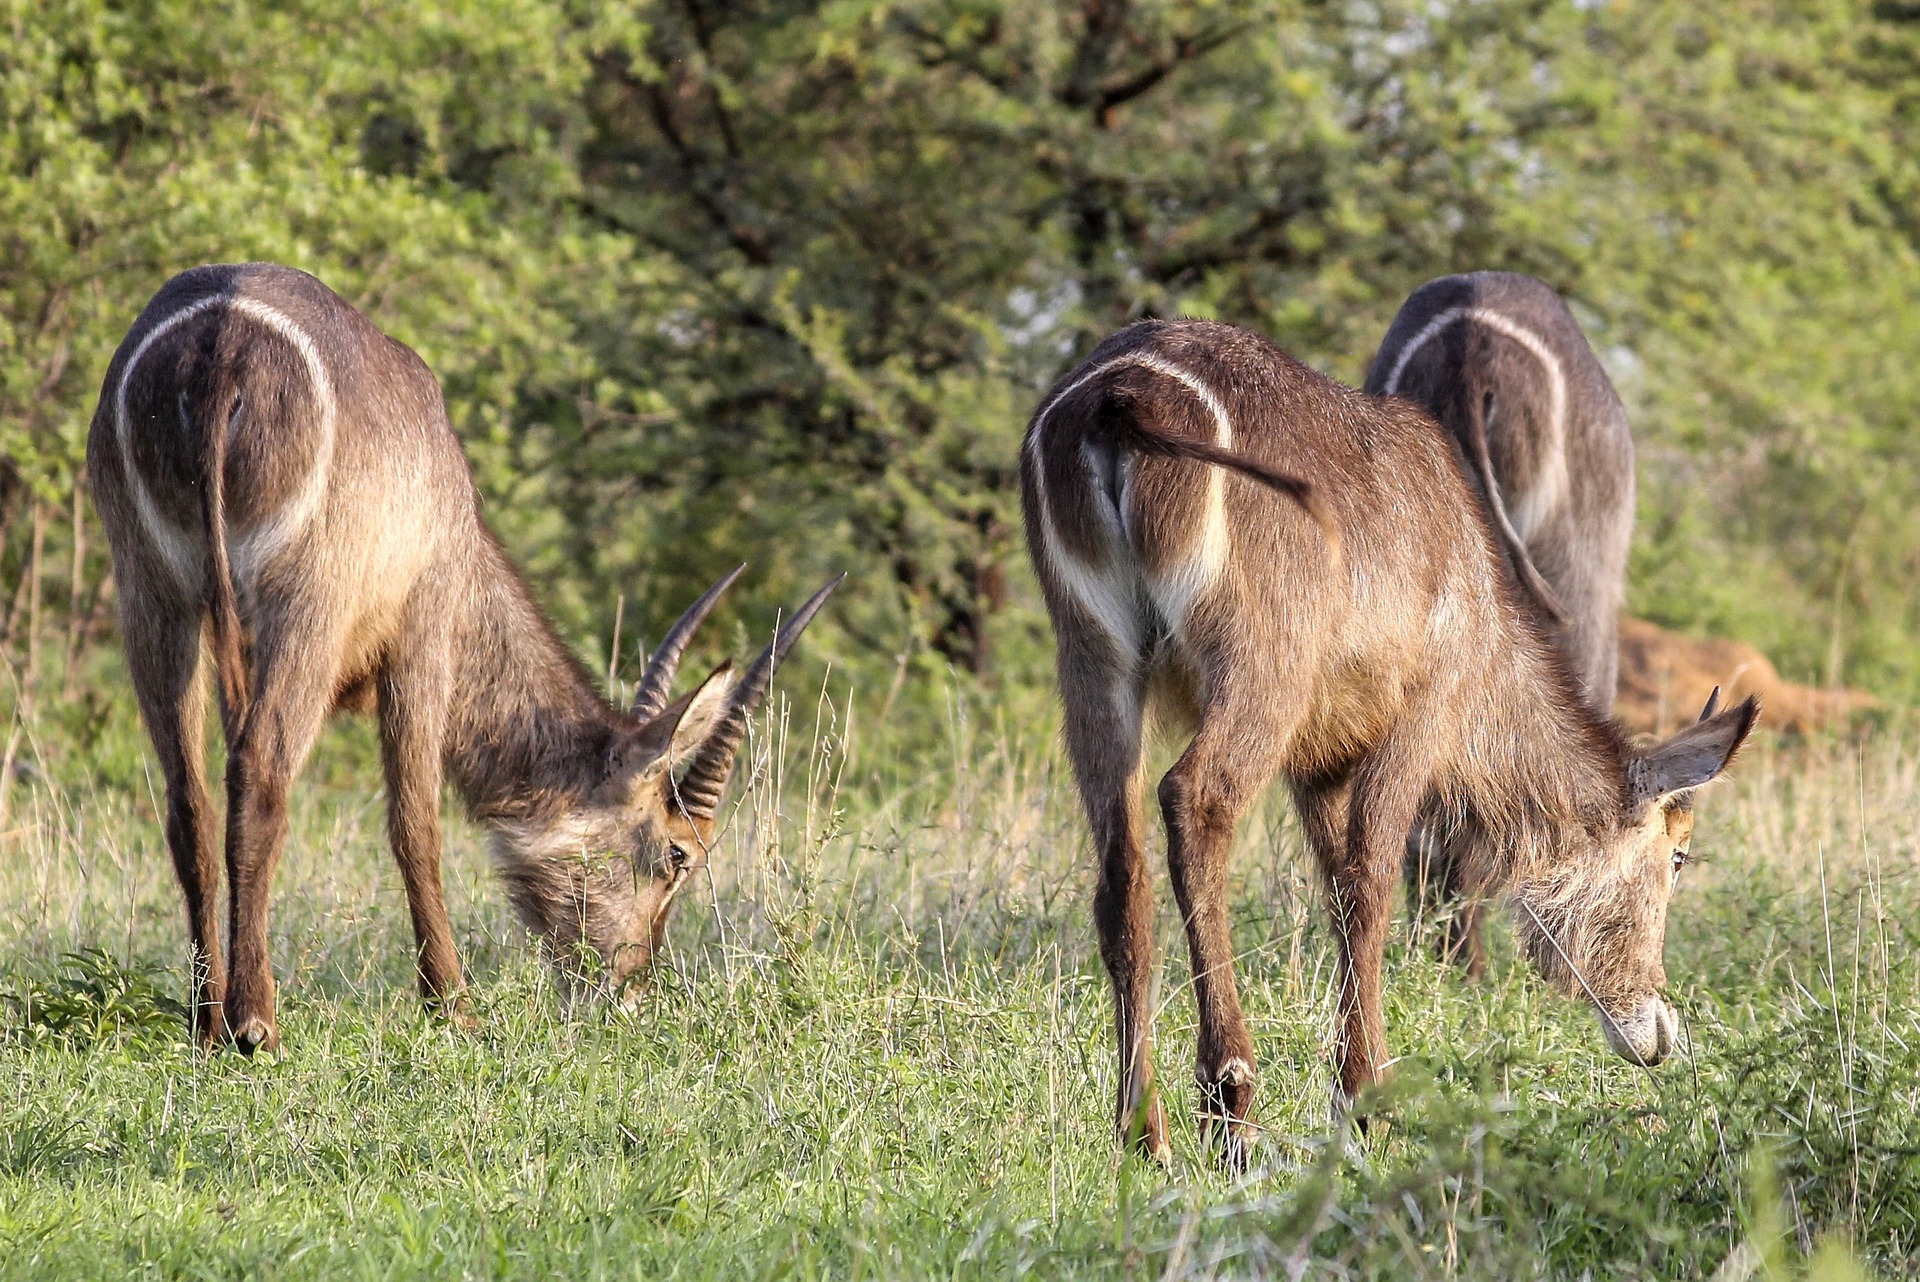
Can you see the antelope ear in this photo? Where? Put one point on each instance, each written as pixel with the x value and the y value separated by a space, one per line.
pixel 1696 756
pixel 676 730
pixel 684 724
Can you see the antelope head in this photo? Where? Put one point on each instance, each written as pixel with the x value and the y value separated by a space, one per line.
pixel 1595 923
pixel 601 878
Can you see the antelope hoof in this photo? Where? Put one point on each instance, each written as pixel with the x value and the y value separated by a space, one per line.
pixel 1341 1111
pixel 207 1024
pixel 1226 1107
pixel 1358 1128
pixel 1143 1131
pixel 454 1009
pixel 255 1034
pixel 1159 1152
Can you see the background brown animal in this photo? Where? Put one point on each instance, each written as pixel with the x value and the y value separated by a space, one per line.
pixel 1664 674
pixel 267 462
pixel 1374 671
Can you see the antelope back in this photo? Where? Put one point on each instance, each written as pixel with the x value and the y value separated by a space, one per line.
pixel 1143 556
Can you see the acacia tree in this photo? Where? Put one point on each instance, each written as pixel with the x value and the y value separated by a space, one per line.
pixel 139 139
pixel 1750 203
pixel 893 223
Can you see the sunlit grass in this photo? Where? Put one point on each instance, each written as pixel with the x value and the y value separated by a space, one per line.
pixel 880 1048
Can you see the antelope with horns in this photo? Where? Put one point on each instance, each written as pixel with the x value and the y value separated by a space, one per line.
pixel 276 473
pixel 1500 362
pixel 1332 607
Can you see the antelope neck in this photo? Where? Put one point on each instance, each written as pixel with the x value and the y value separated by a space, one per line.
pixel 1547 764
pixel 528 730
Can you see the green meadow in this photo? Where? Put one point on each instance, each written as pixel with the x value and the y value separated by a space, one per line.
pixel 880 1048
pixel 707 281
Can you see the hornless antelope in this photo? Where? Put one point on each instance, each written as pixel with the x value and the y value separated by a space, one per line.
pixel 1498 360
pixel 1374 670
pixel 1501 363
pixel 274 470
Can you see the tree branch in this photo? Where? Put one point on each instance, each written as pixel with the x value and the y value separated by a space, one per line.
pixel 1117 93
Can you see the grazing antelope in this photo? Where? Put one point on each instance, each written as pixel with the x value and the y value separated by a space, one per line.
pixel 1498 360
pixel 1331 607
pixel 275 471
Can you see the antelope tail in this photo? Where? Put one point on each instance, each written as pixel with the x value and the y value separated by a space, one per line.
pixel 1517 555
pixel 229 644
pixel 1132 430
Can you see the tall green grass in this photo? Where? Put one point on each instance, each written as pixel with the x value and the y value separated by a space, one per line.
pixel 879 1048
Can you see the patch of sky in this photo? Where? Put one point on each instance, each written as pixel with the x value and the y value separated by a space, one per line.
pixel 1040 323
pixel 1624 367
pixel 1409 40
pixel 682 328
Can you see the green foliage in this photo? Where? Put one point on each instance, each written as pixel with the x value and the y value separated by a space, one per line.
pixel 782 279
pixel 93 998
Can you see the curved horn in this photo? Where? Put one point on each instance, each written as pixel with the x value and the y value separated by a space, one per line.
pixel 1713 705
pixel 706 778
pixel 656 683
pixel 1523 567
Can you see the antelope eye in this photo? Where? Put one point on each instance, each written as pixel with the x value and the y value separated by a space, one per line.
pixel 677 856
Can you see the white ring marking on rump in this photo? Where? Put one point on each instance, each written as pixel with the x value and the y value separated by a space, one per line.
pixel 1529 508
pixel 180 556
pixel 267 539
pixel 1106 600
pixel 1109 601
pixel 1175 591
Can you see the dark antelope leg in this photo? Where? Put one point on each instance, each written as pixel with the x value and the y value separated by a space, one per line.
pixel 413 706
pixel 1386 794
pixel 1203 798
pixel 1445 899
pixel 291 695
pixel 163 657
pixel 1462 938
pixel 1103 741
